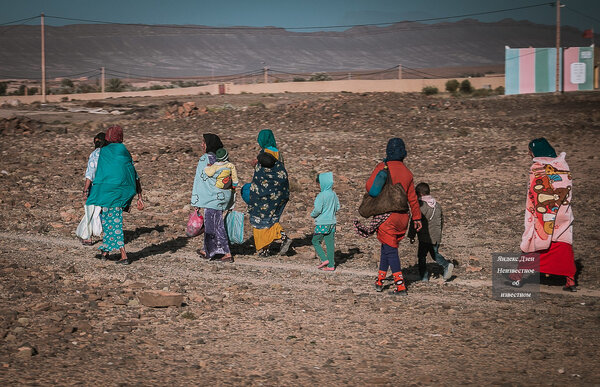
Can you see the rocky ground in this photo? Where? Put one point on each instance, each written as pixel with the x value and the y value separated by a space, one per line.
pixel 68 318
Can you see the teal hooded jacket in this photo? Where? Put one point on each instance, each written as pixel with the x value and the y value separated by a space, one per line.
pixel 326 202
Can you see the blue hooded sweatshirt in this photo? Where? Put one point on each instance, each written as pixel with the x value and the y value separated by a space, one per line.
pixel 326 202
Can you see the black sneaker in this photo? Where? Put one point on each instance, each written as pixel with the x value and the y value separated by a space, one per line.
pixel 264 253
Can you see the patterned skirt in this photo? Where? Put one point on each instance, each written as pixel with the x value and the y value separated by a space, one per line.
pixel 215 234
pixel 112 225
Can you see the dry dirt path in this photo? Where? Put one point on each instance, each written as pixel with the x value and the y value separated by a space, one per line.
pixel 267 264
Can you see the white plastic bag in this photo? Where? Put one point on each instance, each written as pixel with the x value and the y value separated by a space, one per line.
pixel 90 223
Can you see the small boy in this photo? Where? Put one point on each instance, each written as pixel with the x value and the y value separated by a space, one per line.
pixel 227 174
pixel 430 235
pixel 326 206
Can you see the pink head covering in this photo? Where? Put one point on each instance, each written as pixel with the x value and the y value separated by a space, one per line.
pixel 114 134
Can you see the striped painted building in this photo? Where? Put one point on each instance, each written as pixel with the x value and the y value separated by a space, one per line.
pixel 533 70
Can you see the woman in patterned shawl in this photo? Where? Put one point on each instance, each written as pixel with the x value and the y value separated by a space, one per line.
pixel 269 193
pixel 115 184
pixel 214 200
pixel 548 215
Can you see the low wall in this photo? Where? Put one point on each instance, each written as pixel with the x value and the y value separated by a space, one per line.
pixel 212 89
pixel 351 86
pixel 358 86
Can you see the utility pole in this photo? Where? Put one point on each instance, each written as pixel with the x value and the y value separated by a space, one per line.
pixel 43 62
pixel 399 71
pixel 102 81
pixel 558 46
pixel 266 76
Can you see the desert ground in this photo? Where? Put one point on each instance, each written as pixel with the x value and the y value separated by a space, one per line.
pixel 68 318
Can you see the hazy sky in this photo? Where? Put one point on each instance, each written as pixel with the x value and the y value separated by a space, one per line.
pixel 581 14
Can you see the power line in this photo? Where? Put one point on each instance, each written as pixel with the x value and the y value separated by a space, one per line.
pixel 306 27
pixel 9 28
pixel 20 20
pixel 74 75
pixel 418 71
pixel 148 77
pixel 569 8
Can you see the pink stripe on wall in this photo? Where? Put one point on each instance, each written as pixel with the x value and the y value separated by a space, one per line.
pixel 571 55
pixel 527 70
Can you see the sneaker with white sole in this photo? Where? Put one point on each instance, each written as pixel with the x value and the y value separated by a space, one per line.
pixel 286 242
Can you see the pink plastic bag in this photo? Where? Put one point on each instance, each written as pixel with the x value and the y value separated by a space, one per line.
pixel 195 224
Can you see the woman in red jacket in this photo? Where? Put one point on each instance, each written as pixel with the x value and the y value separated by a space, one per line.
pixel 392 230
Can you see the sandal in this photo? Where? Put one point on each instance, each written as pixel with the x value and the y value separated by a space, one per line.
pixel 87 242
pixel 125 261
pixel 226 258
pixel 323 264
pixel 327 268
pixel 201 253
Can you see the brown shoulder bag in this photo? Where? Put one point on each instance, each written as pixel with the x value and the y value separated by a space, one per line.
pixel 391 199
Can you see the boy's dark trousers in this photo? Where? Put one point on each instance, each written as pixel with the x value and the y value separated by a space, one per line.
pixel 432 249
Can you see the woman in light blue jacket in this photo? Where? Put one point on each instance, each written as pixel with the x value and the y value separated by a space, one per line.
pixel 326 206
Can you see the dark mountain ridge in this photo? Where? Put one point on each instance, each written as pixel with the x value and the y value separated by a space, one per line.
pixel 190 51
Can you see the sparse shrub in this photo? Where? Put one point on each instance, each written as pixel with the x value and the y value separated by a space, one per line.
pixel 465 87
pixel 67 83
pixel 3 86
pixel 499 90
pixel 85 88
pixel 430 90
pixel 115 84
pixel 299 79
pixel 452 86
pixel 184 83
pixel 188 315
pixel 64 99
pixel 482 92
pixel 258 105
pixel 463 132
pixel 317 77
pixel 32 91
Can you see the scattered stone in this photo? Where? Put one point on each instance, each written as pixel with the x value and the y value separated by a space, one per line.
pixel 23 321
pixel 133 302
pixel 26 351
pixel 160 298
pixel 473 269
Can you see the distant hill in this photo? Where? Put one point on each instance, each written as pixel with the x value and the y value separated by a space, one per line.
pixel 205 51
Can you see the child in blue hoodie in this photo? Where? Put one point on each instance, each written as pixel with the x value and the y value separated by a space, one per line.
pixel 326 205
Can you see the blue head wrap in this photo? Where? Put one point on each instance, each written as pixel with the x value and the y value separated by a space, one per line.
pixel 396 150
